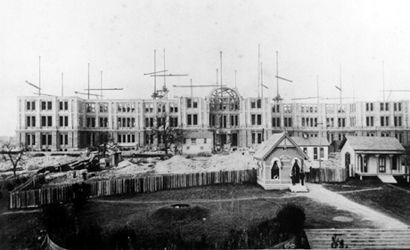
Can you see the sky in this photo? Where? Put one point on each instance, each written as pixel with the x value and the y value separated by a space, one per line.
pixel 333 41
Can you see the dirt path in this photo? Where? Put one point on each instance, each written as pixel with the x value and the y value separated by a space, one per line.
pixel 359 190
pixel 319 193
pixel 25 211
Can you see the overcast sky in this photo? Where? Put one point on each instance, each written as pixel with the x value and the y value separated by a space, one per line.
pixel 118 37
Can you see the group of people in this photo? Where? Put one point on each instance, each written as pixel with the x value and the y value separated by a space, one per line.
pixel 337 242
pixel 298 174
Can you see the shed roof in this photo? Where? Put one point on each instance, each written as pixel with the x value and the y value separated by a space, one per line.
pixel 310 141
pixel 198 134
pixel 371 143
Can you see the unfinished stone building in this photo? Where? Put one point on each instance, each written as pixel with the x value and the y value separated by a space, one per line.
pixel 69 123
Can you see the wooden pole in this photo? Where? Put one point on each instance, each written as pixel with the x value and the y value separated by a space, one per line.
pixel 88 88
pixel 39 75
pixel 62 84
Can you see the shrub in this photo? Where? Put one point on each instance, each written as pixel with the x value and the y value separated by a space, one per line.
pixel 291 218
pixel 81 193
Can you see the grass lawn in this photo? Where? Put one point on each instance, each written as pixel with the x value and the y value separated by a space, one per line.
pixel 354 184
pixel 223 217
pixel 204 192
pixel 17 231
pixel 391 201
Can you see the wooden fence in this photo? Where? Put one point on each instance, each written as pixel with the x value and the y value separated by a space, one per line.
pixel 322 175
pixel 116 186
pixel 64 193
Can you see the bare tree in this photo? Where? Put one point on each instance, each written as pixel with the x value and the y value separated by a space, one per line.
pixel 13 154
pixel 167 131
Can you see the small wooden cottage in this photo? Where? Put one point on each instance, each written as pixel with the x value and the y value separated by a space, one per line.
pixel 196 142
pixel 280 162
pixel 372 156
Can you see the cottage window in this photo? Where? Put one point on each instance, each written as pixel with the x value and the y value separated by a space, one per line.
pixel 394 163
pixel 322 153
pixel 382 164
pixel 365 159
pixel 315 154
pixel 275 171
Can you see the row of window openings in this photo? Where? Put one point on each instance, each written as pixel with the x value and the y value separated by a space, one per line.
pixel 129 108
pixel 103 107
pixel 384 121
pixel 125 107
pixel 191 103
pixel 257 137
pixel 308 109
pixel 192 119
pixel 287 122
pixel 384 106
pixel 128 122
pixel 149 122
pixel 341 122
pixel 126 138
pixel 46 139
pixel 231 104
pixel 91 122
pixel 315 153
pixel 256 104
pixel 46 105
pixel 149 108
pixel 90 107
pixel 46 121
pixel 256 119
pixel 234 120
pixel 287 108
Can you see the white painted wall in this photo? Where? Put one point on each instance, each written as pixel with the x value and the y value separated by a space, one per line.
pixel 199 147
pixel 310 152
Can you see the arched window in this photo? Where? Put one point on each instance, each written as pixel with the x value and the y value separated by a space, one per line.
pixel 275 171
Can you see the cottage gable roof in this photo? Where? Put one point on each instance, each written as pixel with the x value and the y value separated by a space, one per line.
pixel 370 143
pixel 275 140
pixel 310 141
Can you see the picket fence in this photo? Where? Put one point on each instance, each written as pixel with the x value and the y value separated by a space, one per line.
pixel 116 186
pixel 326 175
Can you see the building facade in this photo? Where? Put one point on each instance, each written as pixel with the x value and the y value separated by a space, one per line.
pixel 70 123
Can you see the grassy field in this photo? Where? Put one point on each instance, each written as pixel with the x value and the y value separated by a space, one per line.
pixel 387 199
pixel 225 216
pixel 354 184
